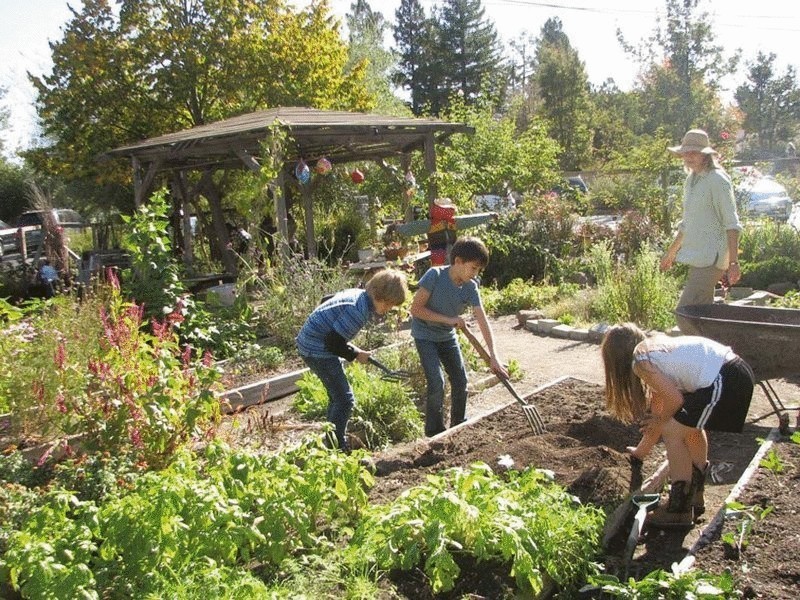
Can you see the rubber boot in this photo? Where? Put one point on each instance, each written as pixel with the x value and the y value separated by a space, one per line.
pixel 677 512
pixel 698 489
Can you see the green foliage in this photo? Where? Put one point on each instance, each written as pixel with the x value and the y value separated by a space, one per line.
pixel 747 517
pixel 765 239
pixel 772 462
pixel 151 67
pixel 28 349
pixel 563 87
pixel 760 275
pixel 789 300
pixel 200 521
pixel 661 585
pixel 517 295
pixel 532 243
pixel 527 522
pixel 639 293
pixel 289 290
pixel 496 157
pixel 142 394
pixel 384 411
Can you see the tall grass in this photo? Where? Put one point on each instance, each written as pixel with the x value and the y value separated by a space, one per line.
pixel 638 292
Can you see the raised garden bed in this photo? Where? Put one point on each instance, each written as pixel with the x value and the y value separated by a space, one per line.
pixel 584 448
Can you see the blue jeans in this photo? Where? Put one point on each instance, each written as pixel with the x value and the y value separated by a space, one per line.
pixel 340 395
pixel 434 356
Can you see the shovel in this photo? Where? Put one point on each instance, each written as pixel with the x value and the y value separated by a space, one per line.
pixel 529 410
pixel 389 374
pixel 644 502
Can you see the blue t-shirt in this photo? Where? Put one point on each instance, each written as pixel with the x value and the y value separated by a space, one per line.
pixel 447 299
pixel 345 313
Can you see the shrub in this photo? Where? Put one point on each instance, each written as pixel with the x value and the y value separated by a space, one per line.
pixel 517 295
pixel 384 411
pixel 765 238
pixel 639 293
pixel 760 275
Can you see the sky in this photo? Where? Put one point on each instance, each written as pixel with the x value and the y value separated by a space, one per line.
pixel 769 26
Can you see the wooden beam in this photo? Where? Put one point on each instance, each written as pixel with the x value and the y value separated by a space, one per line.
pixel 308 210
pixel 430 167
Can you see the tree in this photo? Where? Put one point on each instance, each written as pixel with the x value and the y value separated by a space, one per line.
pixel 366 30
pixel 497 157
pixel 560 81
pixel 161 66
pixel 682 68
pixel 414 36
pixel 3 119
pixel 771 102
pixel 471 55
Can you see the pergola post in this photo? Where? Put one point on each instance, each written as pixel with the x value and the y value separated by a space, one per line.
pixel 429 155
pixel 308 214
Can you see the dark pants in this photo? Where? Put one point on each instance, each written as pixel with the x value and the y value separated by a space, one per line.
pixel 340 395
pixel 434 356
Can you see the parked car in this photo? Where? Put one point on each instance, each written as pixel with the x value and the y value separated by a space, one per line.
pixel 65 217
pixel 8 239
pixel 495 202
pixel 765 197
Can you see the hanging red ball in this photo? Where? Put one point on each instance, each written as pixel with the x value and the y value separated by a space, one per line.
pixel 357 176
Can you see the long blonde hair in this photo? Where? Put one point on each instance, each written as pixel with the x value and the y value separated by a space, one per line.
pixel 625 396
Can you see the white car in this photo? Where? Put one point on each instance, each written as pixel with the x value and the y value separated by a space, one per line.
pixel 768 198
pixel 761 195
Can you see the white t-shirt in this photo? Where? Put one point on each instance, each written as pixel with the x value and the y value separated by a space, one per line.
pixel 692 362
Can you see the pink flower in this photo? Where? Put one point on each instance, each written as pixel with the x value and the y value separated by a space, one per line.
pixel 61 356
pixel 136 438
pixel 186 355
pixel 724 135
pixel 208 358
pixel 60 404
pixel 111 277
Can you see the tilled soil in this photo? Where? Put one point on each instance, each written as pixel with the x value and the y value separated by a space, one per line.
pixel 584 448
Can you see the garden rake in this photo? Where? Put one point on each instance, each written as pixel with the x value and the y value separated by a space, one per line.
pixel 389 374
pixel 529 410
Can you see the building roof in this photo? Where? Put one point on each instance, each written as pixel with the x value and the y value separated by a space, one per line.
pixel 337 135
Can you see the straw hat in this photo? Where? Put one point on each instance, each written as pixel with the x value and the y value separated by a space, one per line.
pixel 695 140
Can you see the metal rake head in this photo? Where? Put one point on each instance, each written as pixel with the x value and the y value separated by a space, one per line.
pixel 389 374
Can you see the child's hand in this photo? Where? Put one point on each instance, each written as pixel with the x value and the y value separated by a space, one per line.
pixel 363 357
pixel 459 323
pixel 498 369
pixel 635 452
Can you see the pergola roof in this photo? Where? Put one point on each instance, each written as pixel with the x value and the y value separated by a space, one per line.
pixel 340 136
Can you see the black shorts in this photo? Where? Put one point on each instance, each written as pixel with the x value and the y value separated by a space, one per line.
pixel 723 405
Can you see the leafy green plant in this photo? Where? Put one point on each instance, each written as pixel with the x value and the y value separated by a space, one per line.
pixel 747 516
pixel 765 239
pixel 772 462
pixel 789 300
pixel 662 585
pixel 517 295
pixel 527 522
pixel 201 519
pixel 384 411
pixel 760 275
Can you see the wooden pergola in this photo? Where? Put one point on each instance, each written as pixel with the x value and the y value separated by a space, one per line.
pixel 236 143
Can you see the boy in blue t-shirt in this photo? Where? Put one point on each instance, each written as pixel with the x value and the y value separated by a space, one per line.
pixel 326 334
pixel 444 293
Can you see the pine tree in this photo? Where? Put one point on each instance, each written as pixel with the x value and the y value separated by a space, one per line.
pixel 411 34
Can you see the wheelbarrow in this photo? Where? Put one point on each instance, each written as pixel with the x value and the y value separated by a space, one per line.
pixel 529 410
pixel 767 338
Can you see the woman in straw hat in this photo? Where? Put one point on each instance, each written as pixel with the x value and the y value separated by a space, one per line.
pixel 708 234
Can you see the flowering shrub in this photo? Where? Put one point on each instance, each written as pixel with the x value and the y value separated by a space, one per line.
pixel 143 393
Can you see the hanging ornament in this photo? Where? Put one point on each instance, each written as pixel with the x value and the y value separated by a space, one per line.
pixel 357 176
pixel 323 166
pixel 410 180
pixel 302 172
